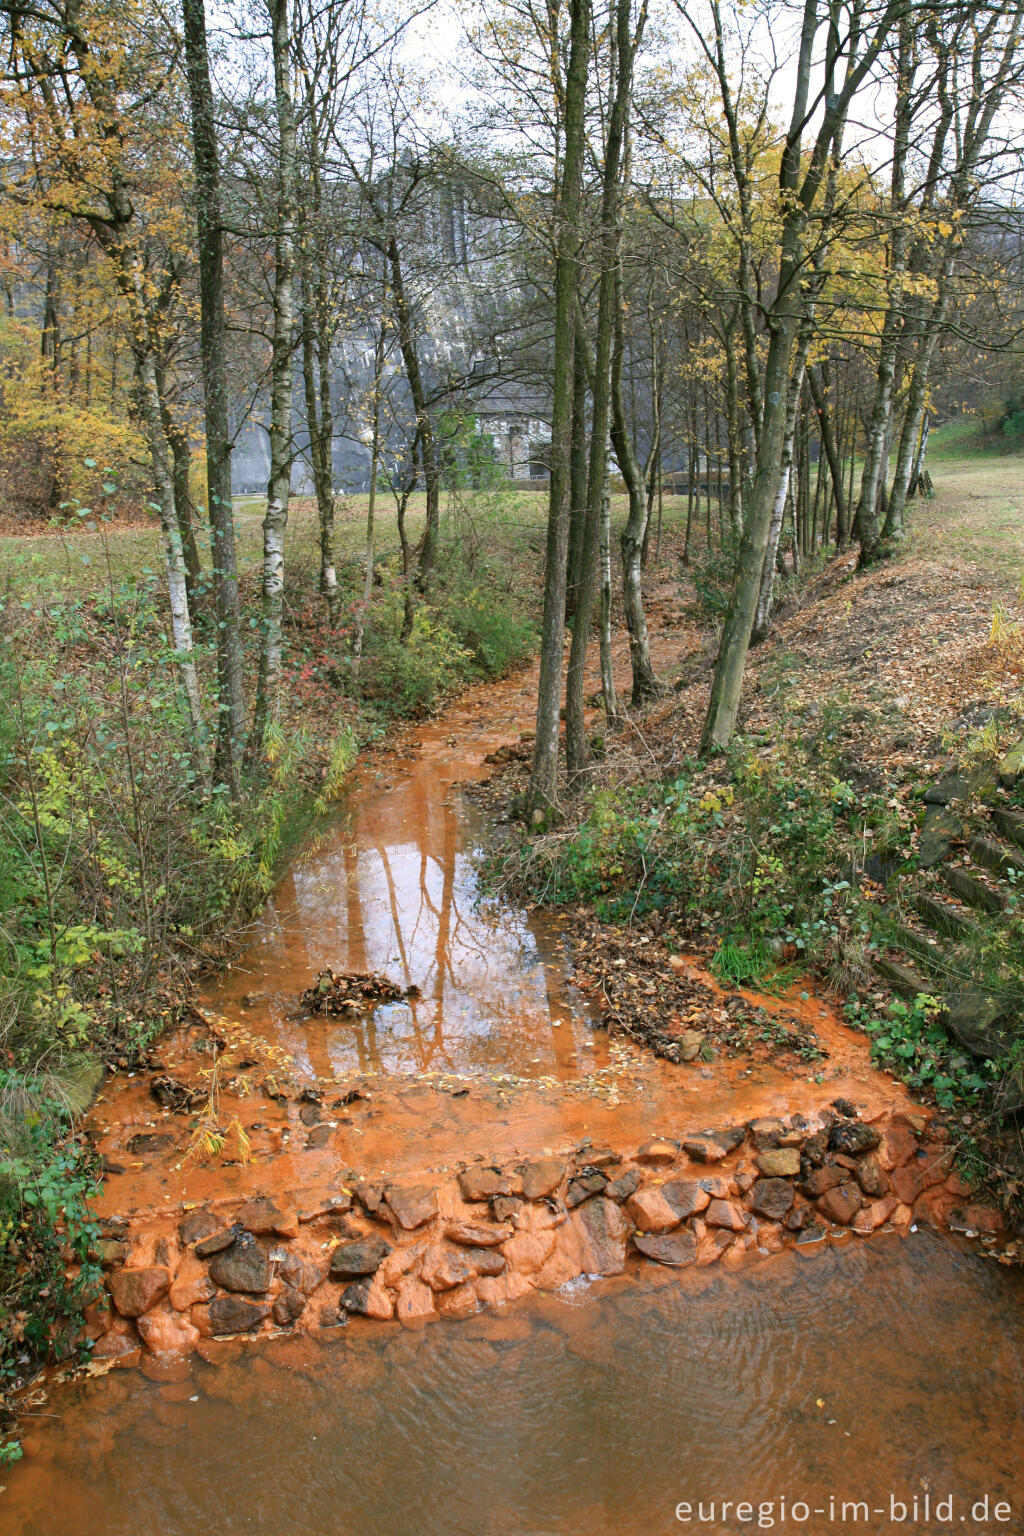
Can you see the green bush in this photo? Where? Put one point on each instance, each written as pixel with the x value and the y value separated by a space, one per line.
pixel 412 677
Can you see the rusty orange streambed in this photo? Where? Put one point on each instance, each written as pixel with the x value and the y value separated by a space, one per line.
pixel 542 1416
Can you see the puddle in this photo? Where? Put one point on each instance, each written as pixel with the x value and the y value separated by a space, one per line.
pixel 881 1370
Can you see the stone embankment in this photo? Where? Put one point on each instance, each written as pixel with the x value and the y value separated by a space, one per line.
pixel 483 1235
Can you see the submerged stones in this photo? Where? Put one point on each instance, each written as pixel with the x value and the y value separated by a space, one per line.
pixel 245 1266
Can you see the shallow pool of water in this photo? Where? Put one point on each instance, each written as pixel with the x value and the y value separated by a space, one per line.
pixel 877 1371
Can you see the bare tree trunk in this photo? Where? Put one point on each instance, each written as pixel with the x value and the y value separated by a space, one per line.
pixel 428 446
pixel 279 486
pixel 364 607
pixel 543 790
pixel 230 703
pixel 835 468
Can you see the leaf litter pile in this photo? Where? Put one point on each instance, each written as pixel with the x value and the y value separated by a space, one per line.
pixel 333 993
pixel 643 990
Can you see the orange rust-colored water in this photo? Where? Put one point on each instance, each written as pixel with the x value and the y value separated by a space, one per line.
pixel 876 1372
pixel 865 1370
pixel 498 1054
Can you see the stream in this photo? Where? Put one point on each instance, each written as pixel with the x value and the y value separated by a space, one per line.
pixel 849 1370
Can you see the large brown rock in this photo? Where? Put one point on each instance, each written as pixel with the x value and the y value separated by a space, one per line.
pixel 704 1149
pixel 725 1215
pixel 603 1230
pixel 483 1183
pixel 625 1185
pixel 840 1204
pixel 852 1136
pixel 827 1177
pixel 245 1266
pixel 771 1197
pixel 165 1332
pixel 289 1307
pixel 484 1234
pixel 196 1225
pixel 444 1268
pixel 541 1177
pixel 232 1314
pixel 686 1197
pixel 412 1204
pixel 652 1212
pixel 136 1290
pixel 363 1256
pixel 367 1298
pixel 263 1216
pixel 300 1273
pixel 674 1248
pixel 216 1242
pixel 872 1177
pixel 658 1150
pixel 779 1163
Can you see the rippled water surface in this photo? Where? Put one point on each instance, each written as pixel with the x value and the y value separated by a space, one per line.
pixel 875 1370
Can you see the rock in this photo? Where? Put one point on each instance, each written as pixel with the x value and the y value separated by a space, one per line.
pixel 412 1204
pixel 364 1298
pixel 625 1185
pixel 871 1177
pixel 414 1300
pixel 217 1241
pixel 506 1208
pixel 952 786
pixel 827 1177
pixel 370 1195
pixel 115 1346
pixel 974 892
pixel 852 1136
pixel 602 1229
pixel 897 1145
pixel 771 1198
pixel 309 1114
pixel 300 1273
pixel 147 1143
pixel 483 1235
pixel 596 1157
pixel 363 1256
pixel 938 832
pixel 908 1182
pixel 245 1266
pixel 979 1020
pixel 289 1307
pixel 319 1137
pixel 690 1045
pixel 136 1290
pixel 780 1163
pixel 765 1132
pixel 540 1178
pixel 815 1149
pixel 840 1204
pixel 460 1302
pixel 483 1183
pixel 590 1181
pixel 191 1285
pixel 658 1150
pixel 874 1215
pixel 443 1268
pixel 725 1215
pixel 230 1314
pixel 167 1333
pixel 1011 766
pixel 651 1211
pixel 486 1261
pixel 730 1136
pixel 263 1216
pixel 703 1149
pixel 686 1197
pixel 717 1187
pixel 711 1247
pixel 975 1218
pixel 197 1225
pixel 675 1248
pixel 110 1253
